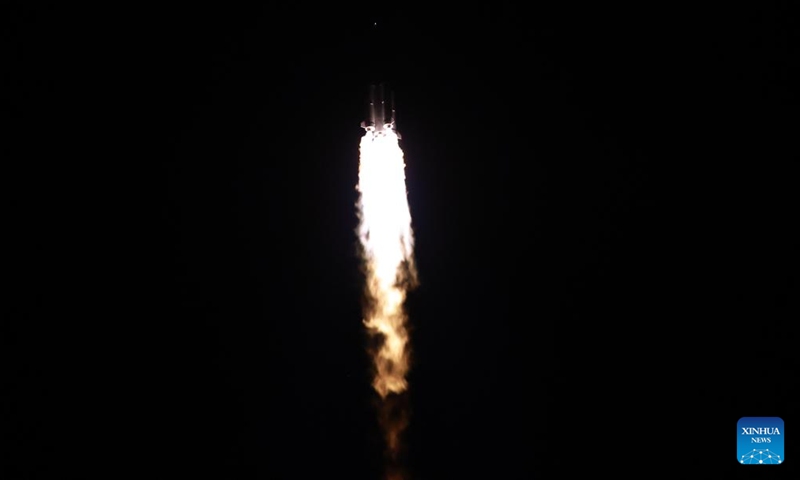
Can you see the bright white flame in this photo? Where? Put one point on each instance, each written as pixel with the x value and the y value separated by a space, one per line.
pixel 386 237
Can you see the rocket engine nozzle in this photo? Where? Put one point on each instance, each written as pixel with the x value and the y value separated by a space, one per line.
pixel 379 119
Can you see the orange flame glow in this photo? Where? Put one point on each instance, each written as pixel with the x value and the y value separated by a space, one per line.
pixel 386 238
pixel 387 244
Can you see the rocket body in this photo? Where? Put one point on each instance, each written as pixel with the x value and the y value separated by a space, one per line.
pixel 381 116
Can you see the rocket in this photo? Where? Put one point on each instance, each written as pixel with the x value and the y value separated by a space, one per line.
pixel 380 120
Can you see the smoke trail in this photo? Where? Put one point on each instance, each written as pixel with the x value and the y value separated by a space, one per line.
pixel 387 244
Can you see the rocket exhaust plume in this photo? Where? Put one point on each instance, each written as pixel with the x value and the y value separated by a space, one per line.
pixel 387 246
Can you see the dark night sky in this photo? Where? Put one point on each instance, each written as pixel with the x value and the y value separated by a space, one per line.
pixel 602 199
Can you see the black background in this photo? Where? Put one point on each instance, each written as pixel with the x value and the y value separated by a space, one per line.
pixel 603 202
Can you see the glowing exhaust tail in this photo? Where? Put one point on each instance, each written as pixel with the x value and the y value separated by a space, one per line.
pixel 387 244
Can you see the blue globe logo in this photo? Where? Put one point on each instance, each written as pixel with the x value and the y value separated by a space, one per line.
pixel 760 456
